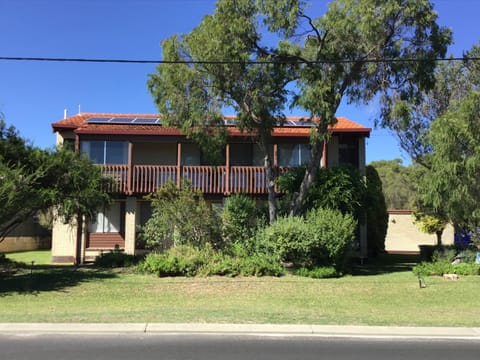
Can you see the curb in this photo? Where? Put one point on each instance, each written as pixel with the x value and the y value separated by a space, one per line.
pixel 244 329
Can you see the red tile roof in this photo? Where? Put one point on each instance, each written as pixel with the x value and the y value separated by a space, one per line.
pixel 79 124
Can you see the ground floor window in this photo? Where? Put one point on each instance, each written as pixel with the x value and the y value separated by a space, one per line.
pixel 108 220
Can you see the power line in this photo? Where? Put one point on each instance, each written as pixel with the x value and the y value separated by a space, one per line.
pixel 227 62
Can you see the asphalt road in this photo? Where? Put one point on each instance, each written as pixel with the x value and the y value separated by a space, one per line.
pixel 227 347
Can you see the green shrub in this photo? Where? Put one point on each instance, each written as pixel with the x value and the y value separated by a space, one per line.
pixel 181 217
pixel 182 260
pixel 442 267
pixel 332 236
pixel 288 239
pixel 189 261
pixel 239 218
pixel 324 238
pixel 377 216
pixel 116 258
pixel 319 272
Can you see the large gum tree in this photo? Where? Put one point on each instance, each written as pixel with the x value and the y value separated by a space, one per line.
pixel 263 58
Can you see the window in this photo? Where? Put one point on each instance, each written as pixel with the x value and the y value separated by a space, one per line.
pixel 291 155
pixel 106 152
pixel 348 150
pixel 108 220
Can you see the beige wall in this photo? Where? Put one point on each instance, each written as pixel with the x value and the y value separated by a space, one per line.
pixel 27 236
pixel 332 152
pixel 404 236
pixel 154 154
pixel 63 242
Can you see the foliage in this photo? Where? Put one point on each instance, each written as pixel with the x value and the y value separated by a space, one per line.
pixel 377 216
pixel 116 258
pixel 444 267
pixel 326 272
pixel 288 239
pixel 333 235
pixel 35 180
pixel 430 224
pixel 217 65
pixel 181 216
pixel 189 261
pixel 182 260
pixel 397 183
pixel 451 186
pixel 340 188
pixel 324 238
pixel 240 218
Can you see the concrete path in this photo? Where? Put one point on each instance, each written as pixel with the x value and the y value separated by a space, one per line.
pixel 246 329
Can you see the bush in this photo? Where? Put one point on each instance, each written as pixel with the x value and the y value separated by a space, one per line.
pixel 182 260
pixel 326 272
pixel 377 216
pixel 239 218
pixel 181 217
pixel 324 238
pixel 190 261
pixel 116 258
pixel 442 267
pixel 288 239
pixel 332 237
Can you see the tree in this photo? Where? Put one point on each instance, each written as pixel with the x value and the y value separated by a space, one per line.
pixel 397 183
pixel 359 50
pixel 377 216
pixel 181 216
pixel 451 183
pixel 430 224
pixel 34 180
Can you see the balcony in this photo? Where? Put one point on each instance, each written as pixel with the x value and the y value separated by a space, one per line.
pixel 144 179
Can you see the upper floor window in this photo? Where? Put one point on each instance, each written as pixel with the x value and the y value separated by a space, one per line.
pixel 106 152
pixel 348 149
pixel 293 154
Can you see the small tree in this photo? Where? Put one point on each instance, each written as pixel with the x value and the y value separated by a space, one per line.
pixel 181 216
pixel 34 180
pixel 377 216
pixel 430 224
pixel 240 217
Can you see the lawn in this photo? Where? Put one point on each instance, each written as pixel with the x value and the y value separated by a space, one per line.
pixel 385 293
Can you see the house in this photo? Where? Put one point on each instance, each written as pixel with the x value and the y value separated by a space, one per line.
pixel 142 155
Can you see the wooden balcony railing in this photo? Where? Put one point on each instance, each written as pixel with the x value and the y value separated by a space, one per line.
pixel 144 179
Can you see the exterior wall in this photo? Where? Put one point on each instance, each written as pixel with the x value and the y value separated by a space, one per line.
pixel 130 224
pixel 404 236
pixel 154 154
pixel 63 242
pixel 27 236
pixel 332 152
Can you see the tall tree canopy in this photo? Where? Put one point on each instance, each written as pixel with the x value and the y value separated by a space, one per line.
pixel 398 183
pixel 359 50
pixel 451 185
pixel 32 180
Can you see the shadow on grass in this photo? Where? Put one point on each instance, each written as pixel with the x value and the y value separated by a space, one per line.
pixel 386 264
pixel 37 279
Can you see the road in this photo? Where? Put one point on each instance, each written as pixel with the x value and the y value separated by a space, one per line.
pixel 227 347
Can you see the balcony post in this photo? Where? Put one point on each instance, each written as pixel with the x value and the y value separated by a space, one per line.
pixel 227 169
pixel 276 171
pixel 179 164
pixel 129 168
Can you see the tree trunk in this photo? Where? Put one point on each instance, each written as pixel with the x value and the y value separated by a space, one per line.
pixel 311 172
pixel 264 143
pixel 439 237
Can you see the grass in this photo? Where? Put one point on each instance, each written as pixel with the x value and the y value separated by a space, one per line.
pixel 384 293
pixel 39 257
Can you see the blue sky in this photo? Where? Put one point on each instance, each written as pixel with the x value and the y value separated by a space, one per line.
pixel 35 94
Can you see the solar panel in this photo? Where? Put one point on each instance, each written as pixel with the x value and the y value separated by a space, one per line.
pixel 121 120
pixel 98 120
pixel 147 121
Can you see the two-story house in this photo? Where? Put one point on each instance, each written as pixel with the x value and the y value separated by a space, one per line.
pixel 142 155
